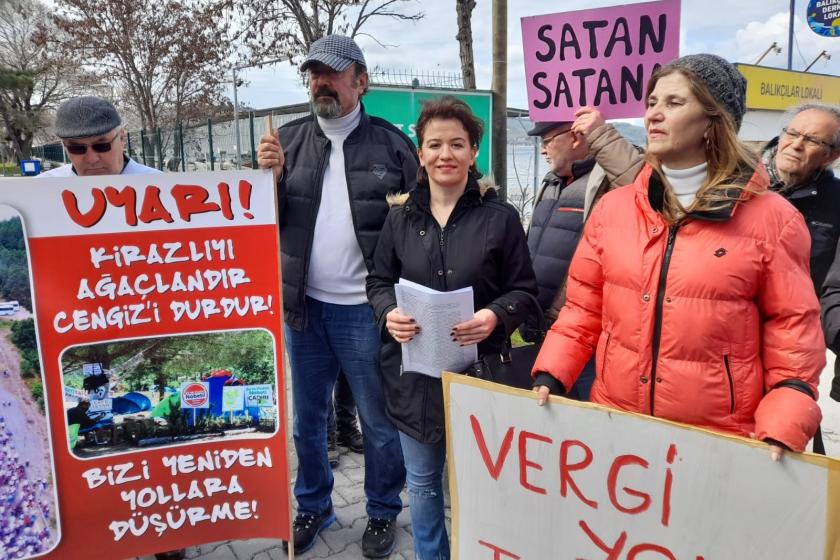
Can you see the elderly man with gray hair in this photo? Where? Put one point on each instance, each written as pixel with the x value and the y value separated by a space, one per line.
pixel 93 137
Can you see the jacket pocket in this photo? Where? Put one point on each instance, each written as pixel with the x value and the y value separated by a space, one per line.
pixel 731 382
pixel 601 359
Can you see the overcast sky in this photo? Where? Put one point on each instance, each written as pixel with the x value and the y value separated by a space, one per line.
pixel 738 30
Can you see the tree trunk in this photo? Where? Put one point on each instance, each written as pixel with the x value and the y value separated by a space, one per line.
pixel 499 86
pixel 464 10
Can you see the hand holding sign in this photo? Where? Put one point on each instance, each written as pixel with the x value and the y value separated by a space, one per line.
pixel 587 119
pixel 270 154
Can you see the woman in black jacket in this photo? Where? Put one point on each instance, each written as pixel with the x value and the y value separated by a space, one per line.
pixel 448 233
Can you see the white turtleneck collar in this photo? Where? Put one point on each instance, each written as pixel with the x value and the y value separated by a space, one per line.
pixel 341 127
pixel 686 182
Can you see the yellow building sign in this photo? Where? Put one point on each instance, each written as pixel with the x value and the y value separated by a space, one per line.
pixel 777 90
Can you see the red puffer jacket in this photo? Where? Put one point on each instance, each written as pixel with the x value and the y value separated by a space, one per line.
pixel 696 324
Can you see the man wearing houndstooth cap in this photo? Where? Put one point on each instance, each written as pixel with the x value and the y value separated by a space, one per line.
pixel 334 169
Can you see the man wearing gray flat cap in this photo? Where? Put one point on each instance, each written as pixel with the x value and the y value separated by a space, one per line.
pixel 94 140
pixel 334 169
pixel 93 137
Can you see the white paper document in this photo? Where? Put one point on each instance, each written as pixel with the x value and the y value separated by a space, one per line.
pixel 432 350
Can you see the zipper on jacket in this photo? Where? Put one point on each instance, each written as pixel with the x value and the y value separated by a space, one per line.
pixel 657 317
pixel 320 172
pixel 731 384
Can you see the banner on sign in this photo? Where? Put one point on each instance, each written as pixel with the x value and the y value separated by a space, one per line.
pixel 593 482
pixel 600 57
pixel 261 396
pixel 101 405
pixel 233 398
pixel 139 282
pixel 195 394
pixel 824 17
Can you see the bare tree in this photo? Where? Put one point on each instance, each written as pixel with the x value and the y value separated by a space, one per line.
pixel 291 26
pixel 464 9
pixel 33 77
pixel 165 56
pixel 522 197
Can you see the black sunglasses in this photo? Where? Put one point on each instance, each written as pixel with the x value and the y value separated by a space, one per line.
pixel 99 147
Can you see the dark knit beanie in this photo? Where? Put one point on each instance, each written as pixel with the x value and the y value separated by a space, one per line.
pixel 725 83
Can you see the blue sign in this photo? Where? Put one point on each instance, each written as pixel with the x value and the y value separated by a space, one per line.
pixel 824 17
pixel 30 167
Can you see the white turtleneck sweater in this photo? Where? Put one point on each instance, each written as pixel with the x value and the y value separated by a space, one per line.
pixel 686 182
pixel 337 268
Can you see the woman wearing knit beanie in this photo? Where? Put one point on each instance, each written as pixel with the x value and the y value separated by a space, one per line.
pixel 691 285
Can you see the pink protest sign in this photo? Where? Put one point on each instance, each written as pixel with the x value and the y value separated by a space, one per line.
pixel 601 57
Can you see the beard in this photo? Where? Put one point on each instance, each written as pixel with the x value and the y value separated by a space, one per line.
pixel 325 103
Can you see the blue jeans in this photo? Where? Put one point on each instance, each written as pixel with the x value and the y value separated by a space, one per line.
pixel 342 337
pixel 424 466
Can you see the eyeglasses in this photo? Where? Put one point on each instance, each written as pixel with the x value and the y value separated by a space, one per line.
pixel 99 147
pixel 547 141
pixel 808 140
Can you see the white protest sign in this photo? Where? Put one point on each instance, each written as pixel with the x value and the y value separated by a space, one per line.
pixel 101 405
pixel 195 394
pixel 261 396
pixel 574 480
pixel 73 394
pixel 91 369
pixel 233 398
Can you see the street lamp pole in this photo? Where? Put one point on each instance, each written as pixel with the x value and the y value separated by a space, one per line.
pixel 819 56
pixel 234 69
pixel 236 121
pixel 774 47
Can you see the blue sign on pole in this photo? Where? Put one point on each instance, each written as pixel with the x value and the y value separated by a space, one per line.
pixel 824 17
pixel 30 167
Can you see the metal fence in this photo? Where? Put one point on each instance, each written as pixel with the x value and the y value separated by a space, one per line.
pixel 198 147
pixel 212 146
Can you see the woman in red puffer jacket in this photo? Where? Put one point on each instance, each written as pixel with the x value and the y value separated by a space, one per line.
pixel 691 285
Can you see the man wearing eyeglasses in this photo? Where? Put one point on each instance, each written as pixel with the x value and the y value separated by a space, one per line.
pixel 586 157
pixel 94 140
pixel 799 162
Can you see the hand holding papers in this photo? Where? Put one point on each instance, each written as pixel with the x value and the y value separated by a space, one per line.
pixel 432 350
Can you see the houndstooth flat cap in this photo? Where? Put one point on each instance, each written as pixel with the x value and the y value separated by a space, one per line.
pixel 336 51
pixel 85 116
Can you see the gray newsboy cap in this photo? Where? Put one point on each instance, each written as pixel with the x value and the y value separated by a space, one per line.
pixel 336 51
pixel 726 84
pixel 85 116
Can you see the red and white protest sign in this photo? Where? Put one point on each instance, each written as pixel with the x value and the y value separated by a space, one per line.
pixel 578 480
pixel 600 57
pixel 195 395
pixel 172 283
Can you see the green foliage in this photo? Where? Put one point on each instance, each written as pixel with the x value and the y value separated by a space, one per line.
pixel 9 169
pixel 14 270
pixel 166 362
pixel 23 336
pixel 37 390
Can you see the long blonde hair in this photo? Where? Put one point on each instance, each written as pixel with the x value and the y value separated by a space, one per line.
pixel 730 163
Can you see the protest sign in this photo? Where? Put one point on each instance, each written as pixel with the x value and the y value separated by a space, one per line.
pixel 148 291
pixel 195 395
pixel 578 480
pixel 233 398
pixel 600 57
pixel 259 395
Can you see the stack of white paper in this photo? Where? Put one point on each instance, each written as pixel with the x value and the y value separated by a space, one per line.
pixel 432 350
